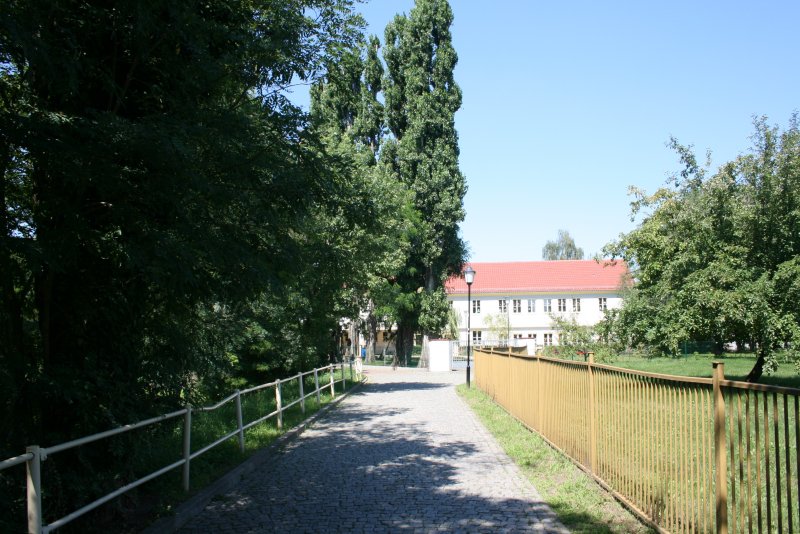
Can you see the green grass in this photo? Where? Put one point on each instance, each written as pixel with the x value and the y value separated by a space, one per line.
pixel 159 445
pixel 737 366
pixel 580 503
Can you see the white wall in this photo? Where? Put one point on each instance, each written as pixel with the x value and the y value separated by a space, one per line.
pixel 525 323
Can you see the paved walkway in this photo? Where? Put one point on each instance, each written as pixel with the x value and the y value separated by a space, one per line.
pixel 403 453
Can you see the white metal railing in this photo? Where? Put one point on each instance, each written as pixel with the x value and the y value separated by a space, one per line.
pixel 35 455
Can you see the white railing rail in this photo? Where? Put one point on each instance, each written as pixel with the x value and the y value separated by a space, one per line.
pixel 35 455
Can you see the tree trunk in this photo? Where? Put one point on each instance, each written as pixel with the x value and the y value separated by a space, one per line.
pixel 404 342
pixel 372 331
pixel 758 369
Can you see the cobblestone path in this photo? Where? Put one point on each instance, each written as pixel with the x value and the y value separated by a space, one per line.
pixel 402 454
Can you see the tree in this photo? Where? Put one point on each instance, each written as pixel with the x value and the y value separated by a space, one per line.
pixel 347 112
pixel 422 153
pixel 498 326
pixel 716 258
pixel 563 248
pixel 164 206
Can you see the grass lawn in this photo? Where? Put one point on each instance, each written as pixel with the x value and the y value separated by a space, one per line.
pixel 736 367
pixel 161 444
pixel 580 503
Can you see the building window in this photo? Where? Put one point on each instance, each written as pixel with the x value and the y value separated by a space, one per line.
pixel 503 305
pixel 517 306
pixel 576 305
pixel 548 306
pixel 531 306
pixel 603 303
pixel 532 336
pixel 476 337
pixel 517 336
pixel 548 340
pixel 562 305
pixel 562 338
pixel 476 306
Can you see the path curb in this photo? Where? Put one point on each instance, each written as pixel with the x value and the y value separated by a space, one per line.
pixel 188 509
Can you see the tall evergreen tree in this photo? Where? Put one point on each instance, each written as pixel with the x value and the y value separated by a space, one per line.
pixel 421 101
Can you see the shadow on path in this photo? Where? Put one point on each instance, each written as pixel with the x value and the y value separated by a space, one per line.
pixel 367 467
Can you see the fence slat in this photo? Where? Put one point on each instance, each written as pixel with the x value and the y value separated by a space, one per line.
pixel 689 455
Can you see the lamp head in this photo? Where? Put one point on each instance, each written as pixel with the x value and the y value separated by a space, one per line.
pixel 469 275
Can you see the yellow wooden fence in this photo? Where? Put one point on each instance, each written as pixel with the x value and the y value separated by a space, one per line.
pixel 685 454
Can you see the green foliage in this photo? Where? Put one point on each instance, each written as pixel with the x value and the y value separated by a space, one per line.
pixel 421 99
pixel 452 330
pixel 563 248
pixel 498 327
pixel 580 504
pixel 577 340
pixel 171 223
pixel 715 258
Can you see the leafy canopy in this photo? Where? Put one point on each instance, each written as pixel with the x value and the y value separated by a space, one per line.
pixel 716 258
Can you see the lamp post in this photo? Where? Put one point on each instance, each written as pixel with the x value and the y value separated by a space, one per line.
pixel 508 324
pixel 469 276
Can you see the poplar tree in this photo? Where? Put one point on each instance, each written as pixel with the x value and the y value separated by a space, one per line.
pixel 346 109
pixel 422 152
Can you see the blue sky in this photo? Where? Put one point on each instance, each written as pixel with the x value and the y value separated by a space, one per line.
pixel 566 104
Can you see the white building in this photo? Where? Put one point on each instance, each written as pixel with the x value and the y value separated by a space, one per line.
pixel 524 296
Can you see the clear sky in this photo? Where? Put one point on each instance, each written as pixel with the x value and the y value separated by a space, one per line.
pixel 566 104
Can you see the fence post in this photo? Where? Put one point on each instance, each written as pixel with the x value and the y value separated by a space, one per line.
pixel 719 450
pixel 316 386
pixel 344 382
pixel 332 368
pixel 187 445
pixel 239 419
pixel 352 379
pixel 302 393
pixel 592 417
pixel 279 404
pixel 34 483
pixel 538 393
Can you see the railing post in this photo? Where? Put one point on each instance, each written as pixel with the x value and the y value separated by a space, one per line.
pixel 187 445
pixel 352 379
pixel 34 483
pixel 239 419
pixel 344 382
pixel 316 386
pixel 331 369
pixel 279 404
pixel 538 393
pixel 719 450
pixel 592 417
pixel 302 393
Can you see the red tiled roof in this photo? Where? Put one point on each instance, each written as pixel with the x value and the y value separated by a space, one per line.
pixel 541 277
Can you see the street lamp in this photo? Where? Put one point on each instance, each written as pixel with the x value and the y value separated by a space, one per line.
pixel 508 324
pixel 469 276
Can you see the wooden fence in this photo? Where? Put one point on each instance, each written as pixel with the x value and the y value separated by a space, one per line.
pixel 685 454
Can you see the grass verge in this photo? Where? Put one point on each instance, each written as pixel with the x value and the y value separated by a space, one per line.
pixel 580 504
pixel 160 445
